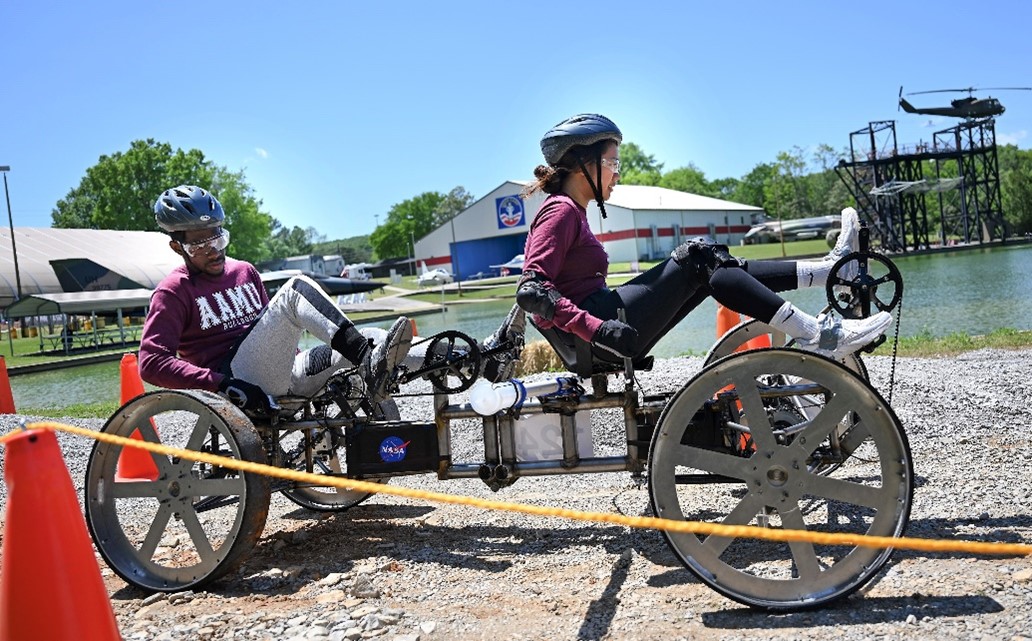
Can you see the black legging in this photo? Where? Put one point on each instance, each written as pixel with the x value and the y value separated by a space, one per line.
pixel 660 298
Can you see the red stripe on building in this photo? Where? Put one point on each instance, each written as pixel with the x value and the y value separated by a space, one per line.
pixel 668 232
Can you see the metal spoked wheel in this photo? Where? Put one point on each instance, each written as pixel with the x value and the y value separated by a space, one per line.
pixel 752 329
pixel 168 523
pixel 806 406
pixel 730 448
pixel 327 457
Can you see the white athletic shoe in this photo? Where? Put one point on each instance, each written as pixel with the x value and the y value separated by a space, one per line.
pixel 849 237
pixel 847 243
pixel 839 338
pixel 384 359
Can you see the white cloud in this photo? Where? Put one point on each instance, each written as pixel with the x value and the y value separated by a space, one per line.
pixel 1010 139
pixel 262 153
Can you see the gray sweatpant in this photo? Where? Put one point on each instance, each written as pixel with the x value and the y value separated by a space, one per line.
pixel 268 355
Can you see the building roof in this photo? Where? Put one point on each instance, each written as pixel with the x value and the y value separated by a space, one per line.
pixel 659 198
pixel 140 257
pixel 79 302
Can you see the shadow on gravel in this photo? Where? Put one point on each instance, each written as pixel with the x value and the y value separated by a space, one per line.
pixel 334 542
pixel 365 512
pixel 855 611
pixel 599 615
pixel 991 530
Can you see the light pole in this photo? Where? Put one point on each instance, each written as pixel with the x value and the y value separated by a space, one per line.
pixel 14 249
pixel 10 221
pixel 412 237
pixel 455 257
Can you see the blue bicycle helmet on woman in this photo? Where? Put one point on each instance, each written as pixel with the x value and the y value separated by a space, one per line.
pixel 583 131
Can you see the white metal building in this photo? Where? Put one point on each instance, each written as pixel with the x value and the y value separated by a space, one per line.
pixel 642 223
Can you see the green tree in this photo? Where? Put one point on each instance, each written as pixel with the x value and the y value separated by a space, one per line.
pixel 248 226
pixel 637 167
pixel 751 188
pixel 451 205
pixel 284 243
pixel 724 188
pixel 119 193
pixel 354 250
pixel 406 221
pixel 688 179
pixel 1016 188
pixel 786 195
pixel 828 194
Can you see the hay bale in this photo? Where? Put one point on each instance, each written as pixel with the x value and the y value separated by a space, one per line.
pixel 538 357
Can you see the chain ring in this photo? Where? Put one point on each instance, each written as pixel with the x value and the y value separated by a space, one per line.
pixel 464 366
pixel 863 288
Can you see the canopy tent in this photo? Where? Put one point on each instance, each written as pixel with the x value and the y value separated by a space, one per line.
pixel 113 300
pixel 50 261
pixel 84 303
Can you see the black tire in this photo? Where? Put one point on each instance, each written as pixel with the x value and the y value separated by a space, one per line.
pixel 329 457
pixel 194 522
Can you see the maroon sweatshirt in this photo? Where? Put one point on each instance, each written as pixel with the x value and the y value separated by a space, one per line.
pixel 193 321
pixel 562 249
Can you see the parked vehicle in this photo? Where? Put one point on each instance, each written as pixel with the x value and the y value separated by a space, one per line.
pixel 430 277
pixel 797 229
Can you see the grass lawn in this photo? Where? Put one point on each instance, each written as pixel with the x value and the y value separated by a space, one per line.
pixel 27 352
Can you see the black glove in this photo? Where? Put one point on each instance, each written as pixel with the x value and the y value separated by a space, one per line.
pixel 618 338
pixel 246 396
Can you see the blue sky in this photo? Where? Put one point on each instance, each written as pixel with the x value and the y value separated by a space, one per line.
pixel 338 110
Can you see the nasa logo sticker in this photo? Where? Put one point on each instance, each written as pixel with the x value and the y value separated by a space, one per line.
pixel 393 449
pixel 510 211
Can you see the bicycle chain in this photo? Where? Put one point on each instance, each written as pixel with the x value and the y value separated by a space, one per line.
pixel 895 347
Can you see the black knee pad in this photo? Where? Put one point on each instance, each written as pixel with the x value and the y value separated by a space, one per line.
pixel 700 257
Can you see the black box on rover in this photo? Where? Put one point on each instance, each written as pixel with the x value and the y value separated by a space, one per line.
pixel 383 450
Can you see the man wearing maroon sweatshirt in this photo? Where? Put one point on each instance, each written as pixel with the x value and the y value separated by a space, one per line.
pixel 212 326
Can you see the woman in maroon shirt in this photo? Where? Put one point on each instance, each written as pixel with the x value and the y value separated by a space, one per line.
pixel 563 282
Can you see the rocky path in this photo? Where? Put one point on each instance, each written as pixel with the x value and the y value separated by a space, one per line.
pixel 402 570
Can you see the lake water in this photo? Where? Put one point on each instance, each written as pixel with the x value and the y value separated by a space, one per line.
pixel 972 291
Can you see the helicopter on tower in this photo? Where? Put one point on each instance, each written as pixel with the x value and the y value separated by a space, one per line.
pixel 969 107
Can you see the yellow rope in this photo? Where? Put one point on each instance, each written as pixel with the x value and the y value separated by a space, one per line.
pixel 646 522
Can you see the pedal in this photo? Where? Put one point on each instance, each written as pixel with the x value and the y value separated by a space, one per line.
pixel 873 345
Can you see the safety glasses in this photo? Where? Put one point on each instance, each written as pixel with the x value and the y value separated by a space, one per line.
pixel 213 244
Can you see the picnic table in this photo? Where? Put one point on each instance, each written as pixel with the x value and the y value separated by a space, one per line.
pixel 92 338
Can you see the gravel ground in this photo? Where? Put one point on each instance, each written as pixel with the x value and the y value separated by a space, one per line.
pixel 397 569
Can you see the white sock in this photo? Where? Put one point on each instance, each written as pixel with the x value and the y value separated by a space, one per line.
pixel 813 273
pixel 794 322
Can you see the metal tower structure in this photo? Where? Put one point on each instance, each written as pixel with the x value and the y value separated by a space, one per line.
pixel 891 187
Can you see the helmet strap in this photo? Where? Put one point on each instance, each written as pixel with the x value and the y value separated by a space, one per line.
pixel 596 186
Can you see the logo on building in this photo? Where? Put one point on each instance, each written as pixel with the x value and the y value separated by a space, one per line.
pixel 510 212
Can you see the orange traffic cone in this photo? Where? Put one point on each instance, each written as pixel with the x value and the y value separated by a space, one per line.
pixel 6 396
pixel 50 583
pixel 134 464
pixel 726 319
